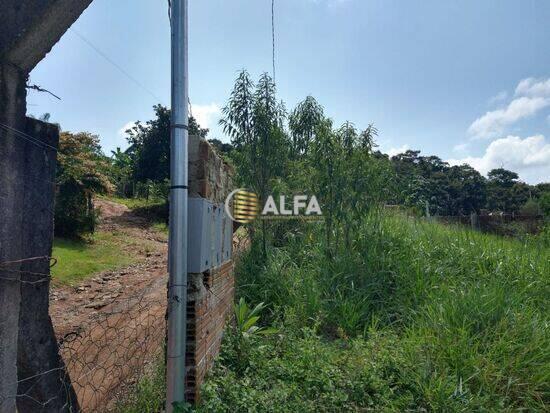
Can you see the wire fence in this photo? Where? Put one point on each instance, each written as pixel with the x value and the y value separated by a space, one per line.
pixel 501 224
pixel 101 361
pixel 111 355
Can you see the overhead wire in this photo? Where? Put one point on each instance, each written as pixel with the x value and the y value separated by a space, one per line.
pixel 273 35
pixel 22 135
pixel 113 63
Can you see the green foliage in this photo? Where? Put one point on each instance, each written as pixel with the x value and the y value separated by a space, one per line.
pixel 223 148
pixel 150 147
pixel 545 203
pixel 121 172
pixel 254 121
pixel 413 316
pixel 427 180
pixel 531 207
pixel 81 172
pixel 303 121
pixel 147 394
pixel 182 407
pixel 145 165
pixel 78 259
pixel 246 319
pixel 499 188
pixel 299 372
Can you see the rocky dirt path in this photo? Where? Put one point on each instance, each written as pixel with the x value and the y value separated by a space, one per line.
pixel 111 325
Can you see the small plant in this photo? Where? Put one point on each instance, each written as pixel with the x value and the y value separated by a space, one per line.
pixel 247 320
pixel 182 407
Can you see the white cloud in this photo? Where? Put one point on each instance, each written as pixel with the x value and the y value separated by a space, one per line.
pixel 122 131
pixel 495 122
pixel 499 97
pixel 461 147
pixel 395 151
pixel 531 95
pixel 206 115
pixel 533 87
pixel 529 157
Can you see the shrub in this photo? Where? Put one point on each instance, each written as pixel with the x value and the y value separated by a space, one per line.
pixel 80 173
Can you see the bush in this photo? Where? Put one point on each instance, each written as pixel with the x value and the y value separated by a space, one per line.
pixel 74 211
pixel 81 168
pixel 531 208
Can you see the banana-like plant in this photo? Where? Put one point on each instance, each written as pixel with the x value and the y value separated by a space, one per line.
pixel 247 320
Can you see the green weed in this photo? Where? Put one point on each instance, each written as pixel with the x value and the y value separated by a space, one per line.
pixel 413 315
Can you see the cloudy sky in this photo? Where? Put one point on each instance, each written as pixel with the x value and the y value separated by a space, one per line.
pixel 467 80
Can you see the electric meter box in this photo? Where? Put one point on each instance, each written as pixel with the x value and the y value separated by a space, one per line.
pixel 209 236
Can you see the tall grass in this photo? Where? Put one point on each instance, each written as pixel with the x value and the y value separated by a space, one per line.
pixel 461 318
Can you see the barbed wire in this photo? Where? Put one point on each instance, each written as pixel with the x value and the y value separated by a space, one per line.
pixel 22 260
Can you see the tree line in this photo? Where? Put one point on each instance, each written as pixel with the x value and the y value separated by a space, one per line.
pixel 279 151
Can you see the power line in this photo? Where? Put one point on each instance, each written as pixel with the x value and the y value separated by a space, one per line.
pixel 273 34
pixel 22 135
pixel 113 63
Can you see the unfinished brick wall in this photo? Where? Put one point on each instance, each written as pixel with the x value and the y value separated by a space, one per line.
pixel 210 294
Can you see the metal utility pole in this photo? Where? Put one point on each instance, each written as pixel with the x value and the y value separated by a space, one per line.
pixel 177 246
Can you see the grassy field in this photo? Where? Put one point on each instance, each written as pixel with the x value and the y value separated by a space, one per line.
pixel 78 259
pixel 415 317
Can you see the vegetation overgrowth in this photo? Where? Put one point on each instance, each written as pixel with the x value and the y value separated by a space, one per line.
pixel 369 309
pixel 414 316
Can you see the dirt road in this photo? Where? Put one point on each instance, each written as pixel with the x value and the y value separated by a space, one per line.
pixel 112 325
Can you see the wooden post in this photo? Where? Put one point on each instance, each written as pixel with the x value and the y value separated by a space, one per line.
pixel 473 220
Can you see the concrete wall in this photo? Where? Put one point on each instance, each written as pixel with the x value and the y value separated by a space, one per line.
pixel 210 294
pixel 29 30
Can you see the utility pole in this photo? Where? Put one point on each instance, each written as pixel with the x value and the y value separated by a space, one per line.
pixel 177 244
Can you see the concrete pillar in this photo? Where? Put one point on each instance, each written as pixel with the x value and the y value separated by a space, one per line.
pixel 12 111
pixel 30 29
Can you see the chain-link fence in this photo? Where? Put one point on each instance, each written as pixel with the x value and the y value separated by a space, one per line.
pixel 106 359
pixel 102 361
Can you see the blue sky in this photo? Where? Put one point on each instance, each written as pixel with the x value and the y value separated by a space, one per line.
pixel 466 80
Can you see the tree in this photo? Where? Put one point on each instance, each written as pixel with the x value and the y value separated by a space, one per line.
pixel 122 170
pixel 81 172
pixel 222 147
pixel 530 208
pixel 467 190
pixel 150 145
pixel 324 158
pixel 499 189
pixel 254 119
pixel 544 203
pixel 149 151
pixel 195 129
pixel 303 121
